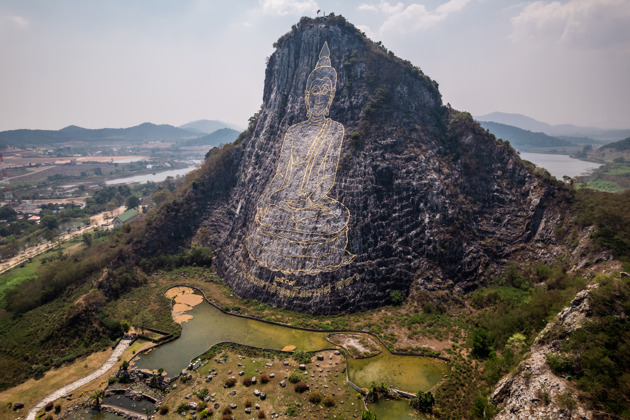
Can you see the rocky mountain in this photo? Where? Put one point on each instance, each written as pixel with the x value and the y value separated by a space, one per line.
pixel 354 180
pixel 141 133
pixel 523 139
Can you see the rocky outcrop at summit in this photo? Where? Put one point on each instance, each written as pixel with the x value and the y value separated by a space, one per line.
pixel 354 180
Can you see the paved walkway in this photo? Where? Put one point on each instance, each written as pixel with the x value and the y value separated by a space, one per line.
pixel 118 351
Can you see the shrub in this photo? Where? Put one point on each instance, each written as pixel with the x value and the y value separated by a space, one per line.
pixel 202 393
pixel 230 382
pixel 423 402
pixel 329 402
pixel 396 297
pixel 261 414
pixel 247 381
pixel 301 387
pixel 164 410
pixel 295 377
pixel 182 408
pixel 301 356
pixel 368 415
pixel 264 378
pixel 315 397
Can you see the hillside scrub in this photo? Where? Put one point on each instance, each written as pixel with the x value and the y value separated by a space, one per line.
pixel 609 214
pixel 596 355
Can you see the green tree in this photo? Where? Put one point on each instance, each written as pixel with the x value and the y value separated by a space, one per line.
pixel 368 415
pixel 160 196
pixel 481 343
pixel 7 213
pixel 132 202
pixel 49 221
pixel 87 239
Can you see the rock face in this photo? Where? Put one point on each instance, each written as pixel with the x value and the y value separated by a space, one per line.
pixel 533 390
pixel 354 180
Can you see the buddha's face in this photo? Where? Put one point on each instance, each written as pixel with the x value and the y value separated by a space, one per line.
pixel 319 96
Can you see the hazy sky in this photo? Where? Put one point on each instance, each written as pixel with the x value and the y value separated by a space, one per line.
pixel 119 63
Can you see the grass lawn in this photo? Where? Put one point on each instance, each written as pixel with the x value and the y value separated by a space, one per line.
pixel 602 185
pixel 28 269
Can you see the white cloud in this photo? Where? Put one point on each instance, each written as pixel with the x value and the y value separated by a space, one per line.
pixel 19 21
pixel 288 7
pixel 368 7
pixel 586 23
pixel 417 17
pixel 384 7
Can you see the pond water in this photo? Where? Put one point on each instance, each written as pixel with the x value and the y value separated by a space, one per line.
pixel 129 404
pixel 88 414
pixel 395 410
pixel 156 177
pixel 210 326
pixel 560 165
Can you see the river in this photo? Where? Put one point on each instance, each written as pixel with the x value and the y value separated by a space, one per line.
pixel 560 165
pixel 155 177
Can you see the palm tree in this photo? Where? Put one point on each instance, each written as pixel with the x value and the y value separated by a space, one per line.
pixel 97 396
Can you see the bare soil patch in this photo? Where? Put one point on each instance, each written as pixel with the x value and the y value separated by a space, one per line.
pixel 357 345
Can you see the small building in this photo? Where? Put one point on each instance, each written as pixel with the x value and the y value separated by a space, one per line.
pixel 125 217
pixel 33 219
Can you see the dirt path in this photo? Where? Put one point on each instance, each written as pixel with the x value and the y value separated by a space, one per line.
pixel 118 351
pixel 95 221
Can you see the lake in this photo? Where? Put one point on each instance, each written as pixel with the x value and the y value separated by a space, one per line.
pixel 155 177
pixel 560 165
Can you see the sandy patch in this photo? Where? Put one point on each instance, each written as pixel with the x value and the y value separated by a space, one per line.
pixel 185 299
pixel 189 299
pixel 288 348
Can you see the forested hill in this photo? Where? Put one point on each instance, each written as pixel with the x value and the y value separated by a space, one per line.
pixel 523 139
pixel 141 133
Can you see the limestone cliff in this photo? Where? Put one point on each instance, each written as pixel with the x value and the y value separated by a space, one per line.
pixel 533 390
pixel 356 181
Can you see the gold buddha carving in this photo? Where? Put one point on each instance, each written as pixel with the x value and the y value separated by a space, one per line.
pixel 298 228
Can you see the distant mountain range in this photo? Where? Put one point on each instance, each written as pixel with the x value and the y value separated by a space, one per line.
pixel 523 139
pixel 142 133
pixel 209 126
pixel 217 138
pixel 139 134
pixel 577 133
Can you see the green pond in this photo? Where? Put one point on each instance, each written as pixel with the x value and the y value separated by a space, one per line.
pixel 210 326
pixel 395 410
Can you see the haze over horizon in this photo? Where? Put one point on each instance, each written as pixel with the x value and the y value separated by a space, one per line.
pixel 119 64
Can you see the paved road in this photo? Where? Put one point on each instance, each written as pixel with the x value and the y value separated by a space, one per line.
pixel 95 221
pixel 118 351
